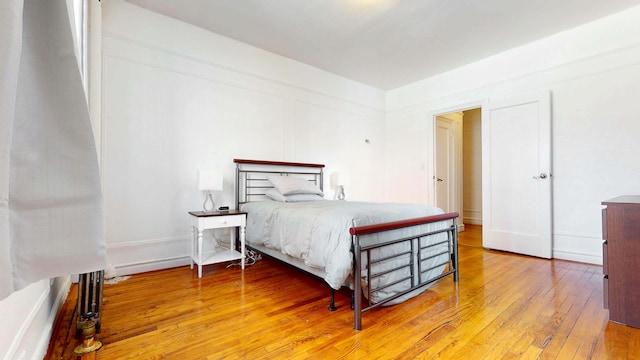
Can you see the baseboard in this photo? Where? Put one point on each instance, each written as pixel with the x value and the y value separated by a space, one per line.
pixel 149 255
pixel 583 248
pixel 153 265
pixel 60 297
pixel 472 221
pixel 578 257
pixel 473 217
pixel 32 336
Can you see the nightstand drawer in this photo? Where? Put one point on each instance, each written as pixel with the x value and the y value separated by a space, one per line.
pixel 213 222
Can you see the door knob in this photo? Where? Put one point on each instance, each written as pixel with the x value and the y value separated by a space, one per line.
pixel 541 176
pixel 439 180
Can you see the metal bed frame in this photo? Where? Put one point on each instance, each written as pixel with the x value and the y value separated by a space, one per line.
pixel 252 184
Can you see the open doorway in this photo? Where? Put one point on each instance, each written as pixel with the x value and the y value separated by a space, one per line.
pixel 515 203
pixel 458 165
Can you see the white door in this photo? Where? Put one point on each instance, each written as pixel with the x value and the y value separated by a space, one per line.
pixel 444 164
pixel 516 175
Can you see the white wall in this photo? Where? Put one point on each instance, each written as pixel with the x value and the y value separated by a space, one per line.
pixel 176 98
pixel 593 73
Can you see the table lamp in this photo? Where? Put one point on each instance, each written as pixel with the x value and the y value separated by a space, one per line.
pixel 209 181
pixel 340 180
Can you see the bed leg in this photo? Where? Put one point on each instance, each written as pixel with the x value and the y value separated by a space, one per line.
pixel 456 273
pixel 332 303
pixel 357 284
pixel 353 300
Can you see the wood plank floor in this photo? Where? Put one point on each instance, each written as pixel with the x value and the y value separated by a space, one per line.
pixel 505 306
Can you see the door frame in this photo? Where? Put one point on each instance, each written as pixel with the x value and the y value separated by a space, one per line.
pixel 480 103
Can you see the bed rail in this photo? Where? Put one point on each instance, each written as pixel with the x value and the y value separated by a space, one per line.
pixel 415 253
pixel 277 163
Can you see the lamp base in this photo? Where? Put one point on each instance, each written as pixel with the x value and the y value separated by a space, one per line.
pixel 341 193
pixel 208 199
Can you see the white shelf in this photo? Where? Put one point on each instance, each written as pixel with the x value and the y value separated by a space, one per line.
pixel 217 255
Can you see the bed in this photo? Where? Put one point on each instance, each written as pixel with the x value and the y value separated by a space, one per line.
pixel 398 250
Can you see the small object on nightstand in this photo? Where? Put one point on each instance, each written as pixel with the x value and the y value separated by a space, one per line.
pixel 223 209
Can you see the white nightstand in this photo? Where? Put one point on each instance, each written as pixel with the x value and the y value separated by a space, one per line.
pixel 204 254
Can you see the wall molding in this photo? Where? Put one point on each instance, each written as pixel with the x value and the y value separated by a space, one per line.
pixel 472 221
pixel 28 322
pixel 33 337
pixel 126 244
pixel 473 217
pixel 591 65
pixel 237 71
pixel 45 337
pixel 577 247
pixel 577 257
pixel 149 255
pixel 151 265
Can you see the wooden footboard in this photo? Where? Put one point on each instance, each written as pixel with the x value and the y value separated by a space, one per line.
pixel 416 247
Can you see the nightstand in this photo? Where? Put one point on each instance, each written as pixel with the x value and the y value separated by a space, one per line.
pixel 205 254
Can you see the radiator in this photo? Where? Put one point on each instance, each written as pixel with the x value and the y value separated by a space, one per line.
pixel 90 299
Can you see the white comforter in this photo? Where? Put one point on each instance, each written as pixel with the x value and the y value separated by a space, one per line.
pixel 317 232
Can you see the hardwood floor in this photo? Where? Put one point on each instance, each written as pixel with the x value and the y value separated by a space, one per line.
pixel 505 306
pixel 472 236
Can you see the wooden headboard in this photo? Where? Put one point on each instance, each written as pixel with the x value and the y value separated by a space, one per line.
pixel 251 177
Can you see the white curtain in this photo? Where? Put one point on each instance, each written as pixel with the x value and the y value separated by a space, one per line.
pixel 51 220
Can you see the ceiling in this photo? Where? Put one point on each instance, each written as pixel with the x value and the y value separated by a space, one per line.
pixel 386 43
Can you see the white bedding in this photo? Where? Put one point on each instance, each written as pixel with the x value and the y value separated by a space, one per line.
pixel 317 232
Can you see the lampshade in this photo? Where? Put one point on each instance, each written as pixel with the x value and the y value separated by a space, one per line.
pixel 339 178
pixel 209 180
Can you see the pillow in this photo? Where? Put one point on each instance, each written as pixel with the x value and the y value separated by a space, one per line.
pixel 288 185
pixel 274 194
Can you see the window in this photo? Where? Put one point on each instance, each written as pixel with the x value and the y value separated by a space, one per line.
pixel 79 19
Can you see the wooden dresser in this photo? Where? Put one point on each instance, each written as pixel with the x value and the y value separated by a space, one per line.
pixel 621 259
